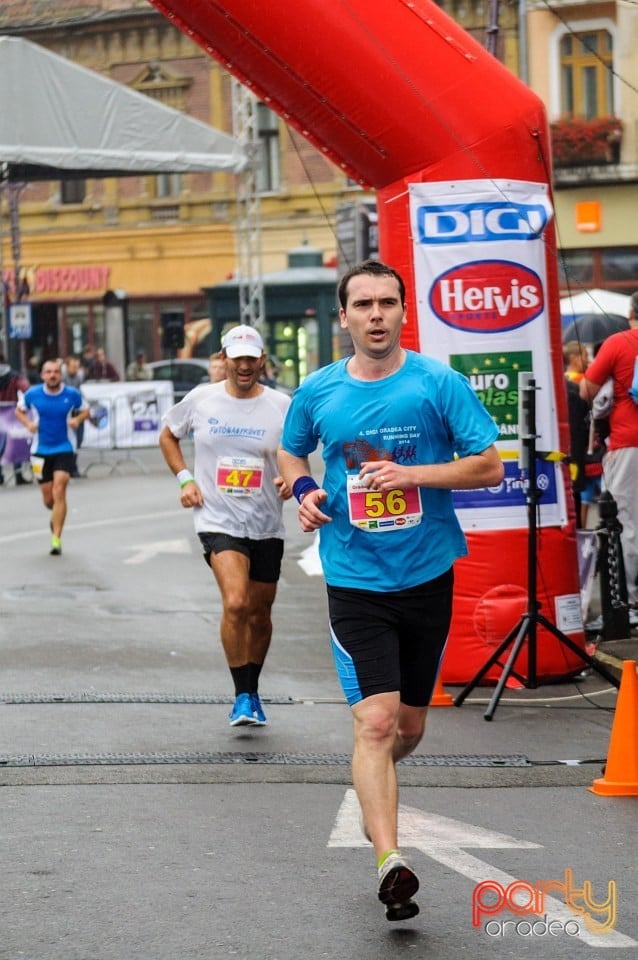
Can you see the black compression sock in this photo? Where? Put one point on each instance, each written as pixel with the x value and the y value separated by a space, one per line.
pixel 254 669
pixel 241 678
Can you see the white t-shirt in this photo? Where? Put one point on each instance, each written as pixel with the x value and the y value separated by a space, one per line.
pixel 236 443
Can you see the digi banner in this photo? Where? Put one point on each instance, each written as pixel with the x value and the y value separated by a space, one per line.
pixel 479 264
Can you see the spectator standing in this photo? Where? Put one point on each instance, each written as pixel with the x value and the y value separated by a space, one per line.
pixel 217 367
pixel 73 376
pixel 87 359
pixel 33 370
pixel 101 368
pixel 399 432
pixel 271 373
pixel 11 386
pixel 138 369
pixel 58 410
pixel 576 359
pixel 616 359
pixel 237 499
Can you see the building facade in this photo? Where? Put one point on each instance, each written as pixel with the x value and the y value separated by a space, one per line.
pixel 583 65
pixel 155 241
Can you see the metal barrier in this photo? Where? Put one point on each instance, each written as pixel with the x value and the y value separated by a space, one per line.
pixel 611 568
pixel 124 416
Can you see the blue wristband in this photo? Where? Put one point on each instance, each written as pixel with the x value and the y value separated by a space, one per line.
pixel 302 486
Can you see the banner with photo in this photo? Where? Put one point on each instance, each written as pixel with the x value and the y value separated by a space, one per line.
pixel 126 414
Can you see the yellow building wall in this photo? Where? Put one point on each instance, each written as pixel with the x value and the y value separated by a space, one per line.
pixel 143 262
pixel 619 209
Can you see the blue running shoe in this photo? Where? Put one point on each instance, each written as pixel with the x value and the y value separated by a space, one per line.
pixel 243 712
pixel 258 710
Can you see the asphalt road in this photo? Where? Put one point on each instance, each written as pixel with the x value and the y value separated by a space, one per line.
pixel 137 824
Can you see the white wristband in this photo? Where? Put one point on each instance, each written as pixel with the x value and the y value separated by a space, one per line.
pixel 184 477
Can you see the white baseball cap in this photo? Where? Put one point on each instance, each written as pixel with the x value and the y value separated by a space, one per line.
pixel 242 341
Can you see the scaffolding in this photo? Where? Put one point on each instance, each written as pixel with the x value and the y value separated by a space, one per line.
pixel 249 266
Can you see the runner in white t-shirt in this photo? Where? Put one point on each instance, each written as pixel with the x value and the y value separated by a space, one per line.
pixel 237 497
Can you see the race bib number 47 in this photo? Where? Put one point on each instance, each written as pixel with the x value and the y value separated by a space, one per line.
pixel 379 511
pixel 239 476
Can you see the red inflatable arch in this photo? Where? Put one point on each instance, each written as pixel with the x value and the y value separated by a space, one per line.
pixel 401 98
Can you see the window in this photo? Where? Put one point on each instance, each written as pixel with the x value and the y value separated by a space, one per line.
pixel 76 320
pixel 268 175
pixel 608 268
pixel 586 77
pixel 139 327
pixel 72 191
pixel 575 266
pixel 168 185
pixel 620 264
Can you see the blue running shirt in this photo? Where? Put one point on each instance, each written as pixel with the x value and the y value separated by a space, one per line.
pixel 53 410
pixel 424 413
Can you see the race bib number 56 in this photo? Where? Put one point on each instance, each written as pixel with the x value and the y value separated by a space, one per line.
pixel 379 511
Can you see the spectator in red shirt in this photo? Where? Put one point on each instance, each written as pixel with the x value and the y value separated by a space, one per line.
pixel 101 368
pixel 616 360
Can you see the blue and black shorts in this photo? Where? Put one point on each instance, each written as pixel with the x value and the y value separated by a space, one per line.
pixel 387 642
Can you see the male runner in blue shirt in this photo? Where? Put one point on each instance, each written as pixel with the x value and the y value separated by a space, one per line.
pixel 59 410
pixel 399 432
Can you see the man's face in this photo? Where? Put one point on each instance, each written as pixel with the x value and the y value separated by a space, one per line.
pixel 373 315
pixel 242 373
pixel 52 375
pixel 72 365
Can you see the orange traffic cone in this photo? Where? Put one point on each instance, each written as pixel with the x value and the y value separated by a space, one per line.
pixel 621 771
pixel 440 698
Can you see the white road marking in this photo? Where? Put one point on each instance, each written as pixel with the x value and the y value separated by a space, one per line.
pixel 310 562
pixel 89 525
pixel 442 839
pixel 146 551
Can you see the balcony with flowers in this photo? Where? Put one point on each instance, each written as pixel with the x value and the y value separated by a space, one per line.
pixel 586 143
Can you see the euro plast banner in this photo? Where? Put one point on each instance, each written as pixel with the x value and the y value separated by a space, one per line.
pixel 479 262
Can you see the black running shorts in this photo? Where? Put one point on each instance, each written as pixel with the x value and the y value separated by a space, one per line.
pixel 54 462
pixel 384 642
pixel 265 555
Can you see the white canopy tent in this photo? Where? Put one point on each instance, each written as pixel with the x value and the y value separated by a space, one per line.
pixel 594 301
pixel 58 119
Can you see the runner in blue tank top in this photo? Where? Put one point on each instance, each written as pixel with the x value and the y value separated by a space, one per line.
pixel 52 412
pixel 399 432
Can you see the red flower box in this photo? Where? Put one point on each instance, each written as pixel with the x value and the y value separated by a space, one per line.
pixel 577 142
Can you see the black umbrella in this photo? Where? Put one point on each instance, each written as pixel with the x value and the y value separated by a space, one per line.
pixel 594 327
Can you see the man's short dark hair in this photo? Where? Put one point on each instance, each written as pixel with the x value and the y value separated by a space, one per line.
pixel 633 304
pixel 372 268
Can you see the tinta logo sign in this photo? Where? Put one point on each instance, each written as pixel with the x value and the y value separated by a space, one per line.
pixel 471 222
pixel 487 296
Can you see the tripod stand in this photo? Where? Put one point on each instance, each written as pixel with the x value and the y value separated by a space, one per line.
pixel 527 627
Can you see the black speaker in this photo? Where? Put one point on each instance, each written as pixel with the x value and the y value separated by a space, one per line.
pixel 526 414
pixel 172 331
